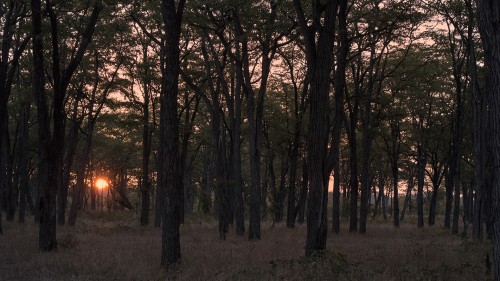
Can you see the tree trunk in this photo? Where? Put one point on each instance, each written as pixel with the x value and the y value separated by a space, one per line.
pixel 366 143
pixel 449 198
pixel 380 201
pixel 479 120
pixel 282 190
pixel 47 165
pixel 489 17
pixel 236 152
pixel 395 204
pixel 160 196
pixel 319 57
pixel 79 188
pixel 222 189
pixel 407 196
pixel 274 191
pixel 205 202
pixel 146 142
pixel 51 146
pixel 254 112
pixel 456 205
pixel 384 201
pixel 340 81
pixel 169 133
pixel 23 161
pixel 9 198
pixel 432 207
pixel 303 193
pixel 72 142
pixel 421 163
pixel 353 182
pixel 294 155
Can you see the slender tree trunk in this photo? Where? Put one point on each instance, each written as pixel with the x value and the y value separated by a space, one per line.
pixel 93 187
pixel 10 55
pixel 449 198
pixel 72 142
pixel 303 193
pixel 236 153
pixel 384 200
pixel 380 199
pixel 395 204
pixel 282 189
pixel 79 188
pixel 456 177
pixel 294 155
pixel 160 196
pixel 274 191
pixel 236 169
pixel 82 167
pixel 205 197
pixel 339 108
pixel 407 196
pixel 222 191
pixel 146 143
pixel 9 198
pixel 432 207
pixel 254 110
pixel 479 120
pixel 353 183
pixel 420 183
pixel 23 161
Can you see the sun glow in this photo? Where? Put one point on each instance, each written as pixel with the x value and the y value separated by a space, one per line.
pixel 101 184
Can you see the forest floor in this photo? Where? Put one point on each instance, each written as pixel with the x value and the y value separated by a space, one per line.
pixel 113 246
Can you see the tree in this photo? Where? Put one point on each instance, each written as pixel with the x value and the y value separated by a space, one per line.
pixel 13 42
pixel 339 85
pixel 96 99
pixel 489 17
pixel 50 144
pixel 268 45
pixel 319 40
pixel 169 161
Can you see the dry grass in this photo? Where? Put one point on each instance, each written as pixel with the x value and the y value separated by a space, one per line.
pixel 113 247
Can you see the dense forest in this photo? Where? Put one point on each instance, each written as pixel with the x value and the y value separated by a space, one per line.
pixel 294 112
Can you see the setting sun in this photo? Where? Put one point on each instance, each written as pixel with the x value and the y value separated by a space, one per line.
pixel 101 184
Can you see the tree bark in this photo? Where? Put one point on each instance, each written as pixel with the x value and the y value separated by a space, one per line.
pixel 48 166
pixel 236 162
pixel 353 164
pixel 407 195
pixel 303 193
pixel 479 114
pixel 319 56
pixel 146 141
pixel 489 18
pixel 72 142
pixel 449 198
pixel 169 133
pixel 421 163
pixel 339 85
pixel 23 161
pixel 393 148
pixel 9 60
